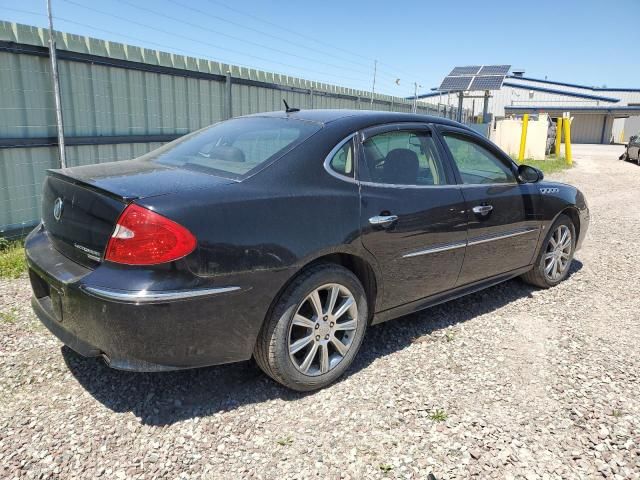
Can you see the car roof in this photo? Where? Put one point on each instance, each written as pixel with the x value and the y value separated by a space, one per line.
pixel 372 117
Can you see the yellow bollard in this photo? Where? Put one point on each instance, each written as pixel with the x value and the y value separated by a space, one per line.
pixel 558 136
pixel 523 137
pixel 566 124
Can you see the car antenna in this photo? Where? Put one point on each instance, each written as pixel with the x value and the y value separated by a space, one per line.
pixel 288 109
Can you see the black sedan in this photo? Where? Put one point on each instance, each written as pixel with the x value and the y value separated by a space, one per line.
pixel 283 236
pixel 632 152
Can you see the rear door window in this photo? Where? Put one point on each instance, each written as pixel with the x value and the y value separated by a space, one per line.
pixel 342 161
pixel 403 158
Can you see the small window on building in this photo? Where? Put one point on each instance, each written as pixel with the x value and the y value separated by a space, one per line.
pixel 342 161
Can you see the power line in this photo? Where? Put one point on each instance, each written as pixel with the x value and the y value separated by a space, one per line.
pixel 38 14
pixel 192 39
pixel 302 35
pixel 286 29
pixel 262 32
pixel 233 37
pixel 387 83
pixel 191 53
pixel 168 47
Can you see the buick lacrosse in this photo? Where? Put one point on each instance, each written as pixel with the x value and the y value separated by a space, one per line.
pixel 284 236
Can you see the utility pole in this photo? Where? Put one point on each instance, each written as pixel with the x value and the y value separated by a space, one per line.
pixel 415 97
pixel 373 87
pixel 485 107
pixel 56 87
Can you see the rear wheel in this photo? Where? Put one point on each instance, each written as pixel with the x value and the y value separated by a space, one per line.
pixel 555 257
pixel 315 330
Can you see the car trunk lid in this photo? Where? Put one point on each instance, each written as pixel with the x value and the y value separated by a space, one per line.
pixel 81 205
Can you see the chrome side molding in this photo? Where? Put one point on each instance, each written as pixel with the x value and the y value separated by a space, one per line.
pixel 151 296
pixel 436 249
pixel 472 241
pixel 501 236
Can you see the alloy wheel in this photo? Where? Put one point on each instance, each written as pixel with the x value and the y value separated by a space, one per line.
pixel 322 329
pixel 558 253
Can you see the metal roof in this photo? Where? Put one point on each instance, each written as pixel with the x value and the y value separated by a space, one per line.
pixel 562 92
pixel 575 85
pixel 619 112
pixel 537 89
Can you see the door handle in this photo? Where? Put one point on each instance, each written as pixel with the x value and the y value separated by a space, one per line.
pixel 384 221
pixel 482 209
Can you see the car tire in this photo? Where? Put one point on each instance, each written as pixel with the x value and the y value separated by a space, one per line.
pixel 556 255
pixel 281 351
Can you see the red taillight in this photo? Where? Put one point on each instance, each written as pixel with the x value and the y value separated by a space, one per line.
pixel 143 237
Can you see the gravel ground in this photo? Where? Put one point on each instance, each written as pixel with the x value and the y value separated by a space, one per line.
pixel 511 382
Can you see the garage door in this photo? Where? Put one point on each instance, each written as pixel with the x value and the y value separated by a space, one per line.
pixel 587 128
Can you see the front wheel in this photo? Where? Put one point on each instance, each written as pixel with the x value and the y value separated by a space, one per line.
pixel 555 257
pixel 315 329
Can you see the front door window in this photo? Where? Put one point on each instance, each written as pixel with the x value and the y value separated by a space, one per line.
pixel 476 164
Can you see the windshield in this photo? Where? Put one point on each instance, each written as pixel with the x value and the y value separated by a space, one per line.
pixel 235 148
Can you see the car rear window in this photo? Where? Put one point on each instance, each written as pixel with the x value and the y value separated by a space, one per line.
pixel 235 148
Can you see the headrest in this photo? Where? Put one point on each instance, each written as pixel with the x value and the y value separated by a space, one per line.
pixel 227 153
pixel 401 167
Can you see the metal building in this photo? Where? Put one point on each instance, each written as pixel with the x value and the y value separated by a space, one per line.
pixel 599 113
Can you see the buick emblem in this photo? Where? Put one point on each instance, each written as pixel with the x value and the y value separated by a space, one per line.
pixel 57 209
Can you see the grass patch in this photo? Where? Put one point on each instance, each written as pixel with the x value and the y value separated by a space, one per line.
pixel 551 165
pixel 438 415
pixel 9 317
pixel 283 442
pixel 12 261
pixel 385 467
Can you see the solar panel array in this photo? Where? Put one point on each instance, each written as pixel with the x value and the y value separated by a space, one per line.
pixel 475 77
pixel 456 83
pixel 490 82
pixel 495 70
pixel 472 70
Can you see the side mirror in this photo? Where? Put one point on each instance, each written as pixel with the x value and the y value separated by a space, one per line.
pixel 633 138
pixel 528 174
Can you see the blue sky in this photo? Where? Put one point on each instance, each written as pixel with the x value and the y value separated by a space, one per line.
pixel 337 41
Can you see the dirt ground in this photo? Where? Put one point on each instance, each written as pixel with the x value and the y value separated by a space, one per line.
pixel 512 382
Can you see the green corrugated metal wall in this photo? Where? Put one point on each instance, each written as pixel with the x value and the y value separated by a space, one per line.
pixel 104 100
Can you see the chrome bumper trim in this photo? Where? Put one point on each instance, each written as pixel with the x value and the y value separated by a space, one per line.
pixel 150 296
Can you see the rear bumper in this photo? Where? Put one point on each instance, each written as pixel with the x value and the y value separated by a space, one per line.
pixel 144 330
